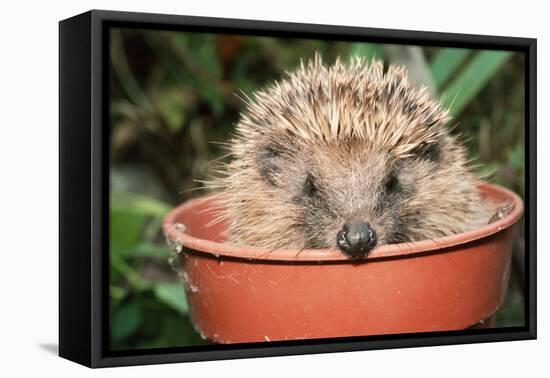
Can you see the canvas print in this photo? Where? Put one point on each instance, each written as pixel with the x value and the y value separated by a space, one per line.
pixel 267 189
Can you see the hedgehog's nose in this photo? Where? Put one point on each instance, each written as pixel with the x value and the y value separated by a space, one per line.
pixel 356 239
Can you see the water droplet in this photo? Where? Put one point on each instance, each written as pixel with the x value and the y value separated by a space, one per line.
pixel 180 227
pixel 193 288
pixel 174 263
pixel 188 284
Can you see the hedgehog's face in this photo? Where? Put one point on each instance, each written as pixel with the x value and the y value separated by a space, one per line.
pixel 348 157
pixel 350 195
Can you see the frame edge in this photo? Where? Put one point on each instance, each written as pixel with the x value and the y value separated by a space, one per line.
pixel 74 189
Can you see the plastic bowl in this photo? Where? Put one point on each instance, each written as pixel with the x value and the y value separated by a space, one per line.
pixel 243 294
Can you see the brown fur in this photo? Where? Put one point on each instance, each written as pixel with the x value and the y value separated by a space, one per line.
pixel 329 145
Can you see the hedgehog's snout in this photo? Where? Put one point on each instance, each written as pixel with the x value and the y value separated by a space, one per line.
pixel 356 239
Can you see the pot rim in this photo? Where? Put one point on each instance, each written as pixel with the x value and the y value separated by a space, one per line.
pixel 216 249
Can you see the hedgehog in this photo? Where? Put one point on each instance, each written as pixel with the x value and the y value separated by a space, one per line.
pixel 348 157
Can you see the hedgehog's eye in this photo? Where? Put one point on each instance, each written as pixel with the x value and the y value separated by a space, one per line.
pixel 268 164
pixel 392 183
pixel 310 189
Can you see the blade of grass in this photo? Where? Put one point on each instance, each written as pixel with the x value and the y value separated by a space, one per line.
pixel 366 50
pixel 414 60
pixel 131 276
pixel 445 62
pixel 458 94
pixel 123 72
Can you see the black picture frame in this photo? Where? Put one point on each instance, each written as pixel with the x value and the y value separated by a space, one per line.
pixel 84 188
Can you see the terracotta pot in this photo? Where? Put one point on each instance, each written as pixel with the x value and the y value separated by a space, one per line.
pixel 243 294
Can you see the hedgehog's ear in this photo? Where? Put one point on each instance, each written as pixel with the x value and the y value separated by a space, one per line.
pixel 268 160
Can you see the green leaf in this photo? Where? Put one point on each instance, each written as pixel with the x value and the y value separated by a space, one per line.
pixel 145 249
pixel 148 249
pixel 138 204
pixel 445 62
pixel 366 50
pixel 173 295
pixel 126 227
pixel 472 79
pixel 134 279
pixel 125 320
pixel 117 293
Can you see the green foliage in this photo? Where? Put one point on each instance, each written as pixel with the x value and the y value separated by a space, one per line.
pixel 125 320
pixel 445 62
pixel 473 78
pixel 135 245
pixel 127 225
pixel 172 295
pixel 172 94
pixel 367 50
pixel 511 314
pixel 140 205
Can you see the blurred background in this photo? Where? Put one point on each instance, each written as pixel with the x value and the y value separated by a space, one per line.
pixel 173 93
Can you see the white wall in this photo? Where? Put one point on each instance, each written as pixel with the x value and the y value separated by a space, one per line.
pixel 29 174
